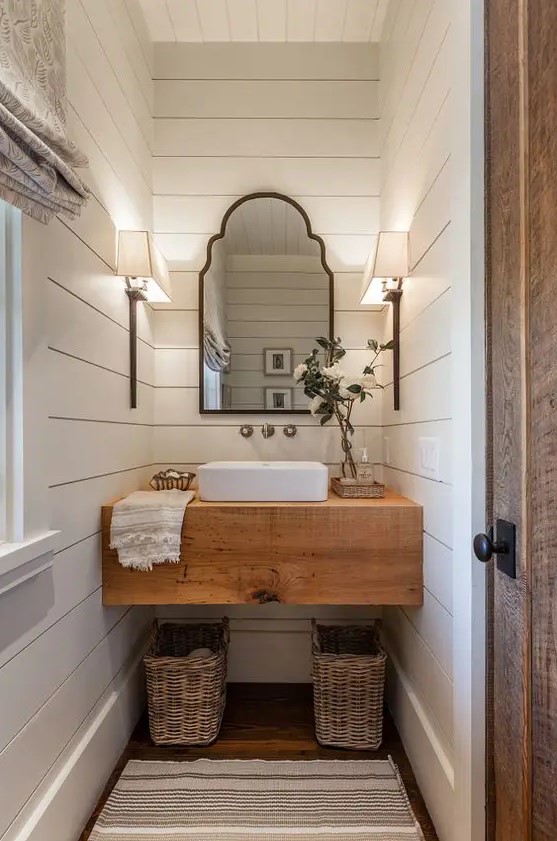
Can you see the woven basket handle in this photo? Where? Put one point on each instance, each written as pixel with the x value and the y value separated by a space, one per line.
pixel 153 637
pixel 315 643
pixel 226 630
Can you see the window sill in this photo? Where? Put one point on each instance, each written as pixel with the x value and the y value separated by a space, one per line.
pixel 19 562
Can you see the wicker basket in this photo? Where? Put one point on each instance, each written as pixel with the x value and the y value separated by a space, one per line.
pixel 186 697
pixel 360 490
pixel 348 685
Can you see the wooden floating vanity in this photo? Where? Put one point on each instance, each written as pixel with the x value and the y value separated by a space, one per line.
pixel 342 551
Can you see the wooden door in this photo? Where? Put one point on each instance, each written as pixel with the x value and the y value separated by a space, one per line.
pixel 521 146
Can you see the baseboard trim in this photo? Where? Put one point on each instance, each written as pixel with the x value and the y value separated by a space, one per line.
pixel 432 766
pixel 63 802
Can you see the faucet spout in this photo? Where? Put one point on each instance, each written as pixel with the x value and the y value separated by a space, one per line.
pixel 267 430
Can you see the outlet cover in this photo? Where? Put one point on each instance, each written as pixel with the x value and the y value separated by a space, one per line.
pixel 430 458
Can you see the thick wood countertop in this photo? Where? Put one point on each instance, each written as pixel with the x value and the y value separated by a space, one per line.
pixel 341 551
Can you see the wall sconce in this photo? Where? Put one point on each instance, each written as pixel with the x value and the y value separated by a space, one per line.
pixel 383 278
pixel 147 279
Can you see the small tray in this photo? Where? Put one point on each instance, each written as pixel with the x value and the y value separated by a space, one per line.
pixel 171 480
pixel 360 490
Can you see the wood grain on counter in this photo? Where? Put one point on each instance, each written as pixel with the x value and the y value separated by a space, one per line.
pixel 341 551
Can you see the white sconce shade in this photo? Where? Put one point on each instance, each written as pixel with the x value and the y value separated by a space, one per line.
pixel 139 258
pixel 387 264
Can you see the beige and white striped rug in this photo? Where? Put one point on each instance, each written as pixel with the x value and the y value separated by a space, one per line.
pixel 237 800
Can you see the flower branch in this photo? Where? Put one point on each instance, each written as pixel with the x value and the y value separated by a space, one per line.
pixel 334 393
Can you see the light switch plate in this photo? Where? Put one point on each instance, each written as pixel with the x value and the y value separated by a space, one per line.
pixel 430 458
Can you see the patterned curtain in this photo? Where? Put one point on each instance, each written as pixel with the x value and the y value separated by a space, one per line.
pixel 36 155
pixel 216 346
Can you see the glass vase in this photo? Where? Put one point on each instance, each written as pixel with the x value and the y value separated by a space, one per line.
pixel 347 464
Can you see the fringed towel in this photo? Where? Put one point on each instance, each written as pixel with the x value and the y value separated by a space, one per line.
pixel 146 527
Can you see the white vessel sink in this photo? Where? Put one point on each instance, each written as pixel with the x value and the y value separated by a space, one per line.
pixel 263 481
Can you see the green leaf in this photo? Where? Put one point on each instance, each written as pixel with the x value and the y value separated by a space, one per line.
pixel 362 396
pixel 373 344
pixel 323 342
pixel 325 419
pixel 354 389
pixel 389 345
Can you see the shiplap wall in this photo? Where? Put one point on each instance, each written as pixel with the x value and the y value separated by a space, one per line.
pixel 232 119
pixel 415 140
pixel 69 678
pixel 228 122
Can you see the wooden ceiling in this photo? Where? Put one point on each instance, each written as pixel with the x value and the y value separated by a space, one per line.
pixel 265 20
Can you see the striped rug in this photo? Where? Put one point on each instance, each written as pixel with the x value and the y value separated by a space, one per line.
pixel 236 800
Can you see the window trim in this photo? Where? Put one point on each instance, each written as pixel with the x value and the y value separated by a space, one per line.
pixel 24 553
pixel 11 376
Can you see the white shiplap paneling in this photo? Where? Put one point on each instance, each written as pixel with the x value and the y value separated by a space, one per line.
pixel 234 119
pixel 264 20
pixel 415 175
pixel 62 655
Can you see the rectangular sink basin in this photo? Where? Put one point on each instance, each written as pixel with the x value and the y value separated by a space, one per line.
pixel 263 481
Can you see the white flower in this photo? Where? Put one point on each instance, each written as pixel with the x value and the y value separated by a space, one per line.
pixel 316 404
pixel 368 381
pixel 335 372
pixel 299 371
pixel 344 386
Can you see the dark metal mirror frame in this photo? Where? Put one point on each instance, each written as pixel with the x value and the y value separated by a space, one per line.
pixel 207 266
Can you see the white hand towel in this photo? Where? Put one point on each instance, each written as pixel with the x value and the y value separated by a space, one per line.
pixel 146 527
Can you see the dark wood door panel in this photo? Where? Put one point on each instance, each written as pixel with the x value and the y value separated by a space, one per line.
pixel 508 401
pixel 542 244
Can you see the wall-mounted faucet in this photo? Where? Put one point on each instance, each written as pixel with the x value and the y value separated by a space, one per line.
pixel 267 430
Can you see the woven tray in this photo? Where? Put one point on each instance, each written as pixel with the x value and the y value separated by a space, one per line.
pixel 361 490
pixel 171 480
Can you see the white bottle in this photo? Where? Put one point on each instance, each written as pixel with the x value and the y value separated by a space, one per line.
pixel 364 470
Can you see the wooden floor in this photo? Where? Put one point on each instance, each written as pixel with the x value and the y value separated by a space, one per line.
pixel 269 722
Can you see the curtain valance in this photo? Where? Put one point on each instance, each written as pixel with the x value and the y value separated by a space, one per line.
pixel 37 158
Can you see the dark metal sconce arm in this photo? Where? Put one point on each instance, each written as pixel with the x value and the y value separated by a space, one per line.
pixel 393 296
pixel 135 296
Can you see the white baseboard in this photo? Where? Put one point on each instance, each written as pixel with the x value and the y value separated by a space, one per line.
pixel 430 762
pixel 63 802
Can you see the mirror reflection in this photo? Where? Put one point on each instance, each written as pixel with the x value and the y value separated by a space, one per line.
pixel 266 296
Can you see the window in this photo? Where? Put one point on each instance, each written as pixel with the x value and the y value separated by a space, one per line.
pixel 212 388
pixel 11 391
pixel 26 548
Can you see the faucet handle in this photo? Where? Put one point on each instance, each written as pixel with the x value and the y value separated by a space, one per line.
pixel 246 431
pixel 267 430
pixel 290 430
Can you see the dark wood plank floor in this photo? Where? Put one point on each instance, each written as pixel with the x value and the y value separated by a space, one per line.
pixel 269 722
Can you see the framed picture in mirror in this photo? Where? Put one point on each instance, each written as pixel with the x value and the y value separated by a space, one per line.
pixel 278 399
pixel 278 361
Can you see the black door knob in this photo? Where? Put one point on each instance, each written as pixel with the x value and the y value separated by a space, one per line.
pixel 485 548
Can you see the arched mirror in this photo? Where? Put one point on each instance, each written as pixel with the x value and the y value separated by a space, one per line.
pixel 266 293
